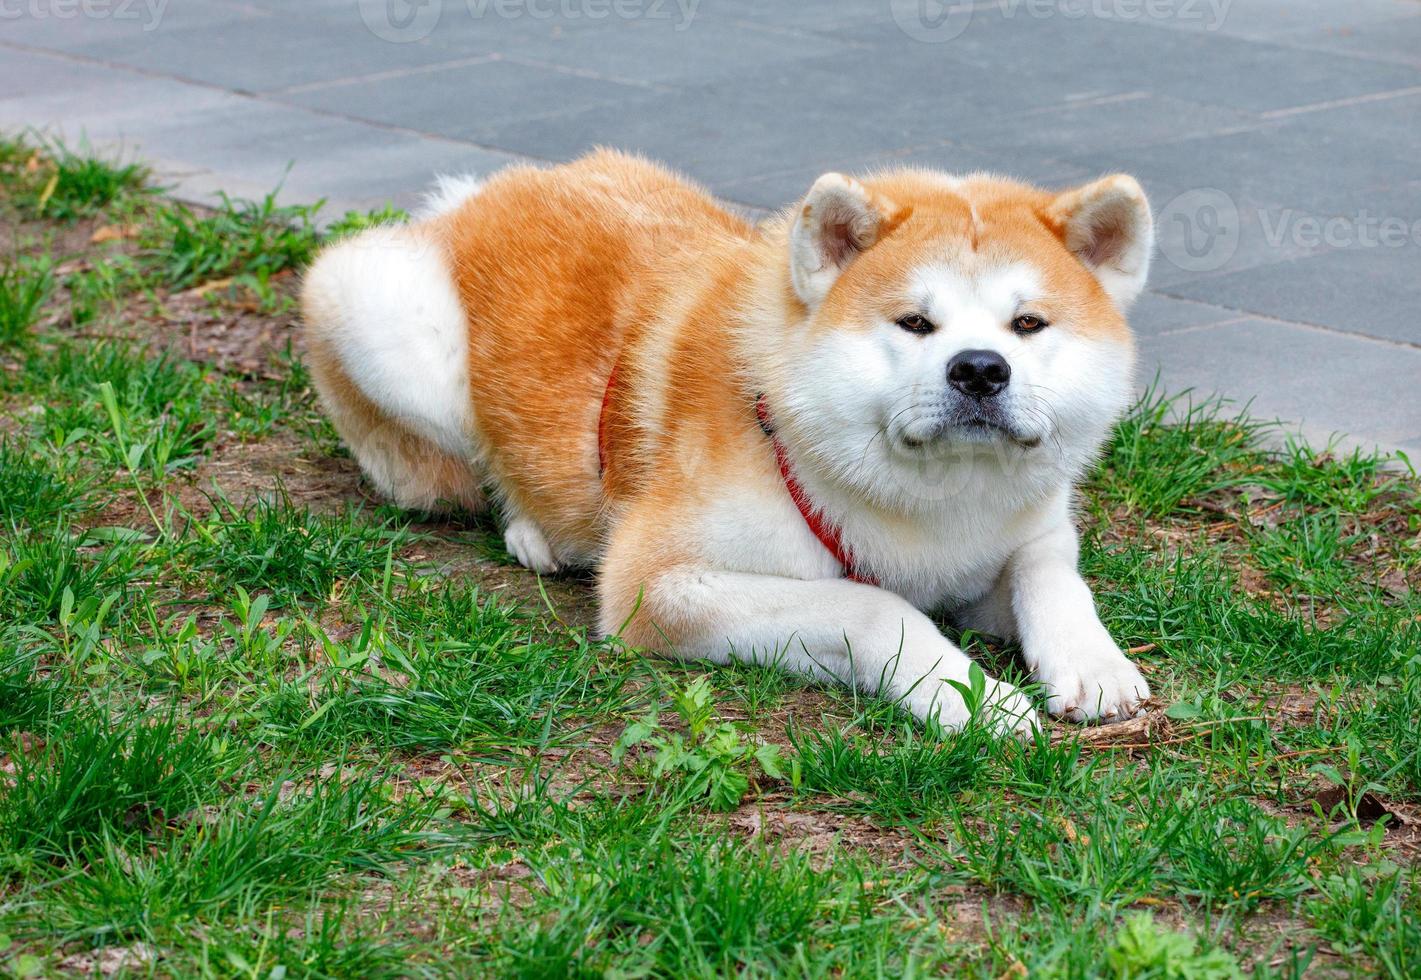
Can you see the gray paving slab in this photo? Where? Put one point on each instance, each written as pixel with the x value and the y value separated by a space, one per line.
pixel 784 187
pixel 1371 290
pixel 119 106
pixel 495 94
pixel 1239 200
pixel 386 169
pixel 1155 313
pixel 928 92
pixel 486 26
pixel 1207 231
pixel 807 113
pixel 1278 20
pixel 263 52
pixel 66 27
pixel 713 137
pixel 1126 119
pixel 483 26
pixel 1359 391
pixel 1087 56
pixel 37 75
pixel 397 169
pixel 663 51
pixel 807 17
pixel 205 140
pixel 1396 40
pixel 1277 138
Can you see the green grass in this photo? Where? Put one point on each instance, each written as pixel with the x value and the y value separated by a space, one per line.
pixel 252 725
pixel 39 486
pixel 691 908
pixel 24 287
pixel 241 238
pixel 62 566
pixel 92 779
pixel 892 780
pixel 158 421
pixel 354 222
pixel 291 552
pixel 27 698
pixel 249 856
pixel 98 291
pixel 1373 912
pixel 456 670
pixel 1171 450
pixel 80 184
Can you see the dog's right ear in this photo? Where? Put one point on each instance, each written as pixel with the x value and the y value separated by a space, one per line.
pixel 837 220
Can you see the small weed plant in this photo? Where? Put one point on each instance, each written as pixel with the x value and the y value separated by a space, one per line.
pixel 715 760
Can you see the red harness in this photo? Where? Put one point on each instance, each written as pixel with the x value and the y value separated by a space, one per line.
pixel 602 418
pixel 825 531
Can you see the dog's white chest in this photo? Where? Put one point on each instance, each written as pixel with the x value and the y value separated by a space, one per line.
pixel 948 562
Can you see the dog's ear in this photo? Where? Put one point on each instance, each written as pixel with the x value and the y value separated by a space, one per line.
pixel 1107 225
pixel 837 220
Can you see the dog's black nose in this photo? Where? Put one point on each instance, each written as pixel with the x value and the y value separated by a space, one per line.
pixel 979 373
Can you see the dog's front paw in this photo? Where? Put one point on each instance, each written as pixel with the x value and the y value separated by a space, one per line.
pixel 1098 684
pixel 1004 709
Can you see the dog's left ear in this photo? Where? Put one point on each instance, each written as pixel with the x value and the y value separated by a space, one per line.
pixel 838 219
pixel 1107 225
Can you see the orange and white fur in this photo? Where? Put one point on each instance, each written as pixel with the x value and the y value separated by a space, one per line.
pixel 942 358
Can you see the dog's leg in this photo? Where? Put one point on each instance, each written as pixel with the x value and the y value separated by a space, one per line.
pixel 830 630
pixel 1085 674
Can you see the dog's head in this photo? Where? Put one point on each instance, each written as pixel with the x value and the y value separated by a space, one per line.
pixel 947 319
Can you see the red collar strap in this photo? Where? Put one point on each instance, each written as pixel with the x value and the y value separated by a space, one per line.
pixel 824 530
pixel 602 418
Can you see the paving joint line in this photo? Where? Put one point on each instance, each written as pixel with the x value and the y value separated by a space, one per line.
pixel 586 73
pixel 1370 97
pixel 1319 327
pixel 807 34
pixel 382 76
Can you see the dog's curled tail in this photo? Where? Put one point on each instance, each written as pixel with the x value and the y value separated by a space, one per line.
pixel 388 343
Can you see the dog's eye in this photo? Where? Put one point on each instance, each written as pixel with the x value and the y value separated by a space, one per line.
pixel 916 323
pixel 1028 324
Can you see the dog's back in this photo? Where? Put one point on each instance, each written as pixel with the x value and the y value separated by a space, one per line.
pixel 472 348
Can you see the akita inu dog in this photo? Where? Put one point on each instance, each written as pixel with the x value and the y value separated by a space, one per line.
pixel 781 443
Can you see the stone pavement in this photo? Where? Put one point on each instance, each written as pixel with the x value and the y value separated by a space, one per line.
pixel 1280 140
